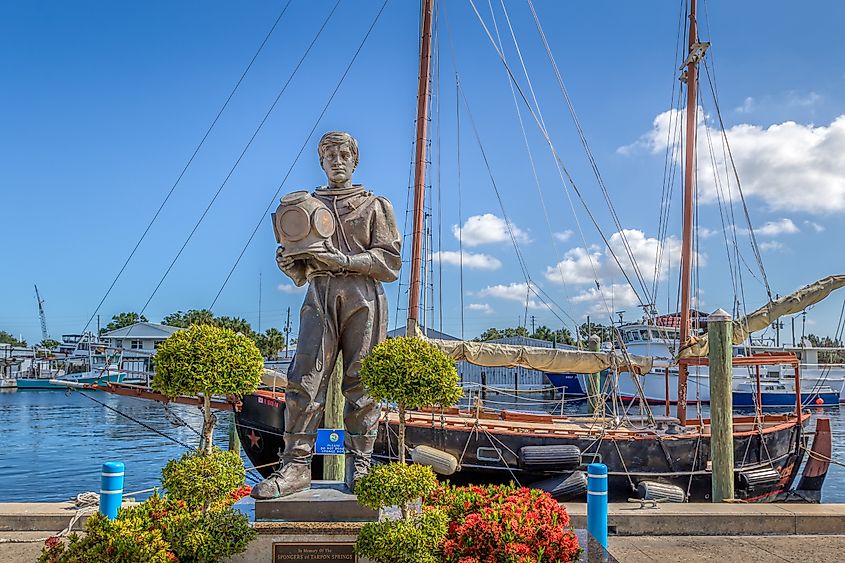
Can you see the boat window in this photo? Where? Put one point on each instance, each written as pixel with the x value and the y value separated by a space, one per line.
pixel 633 335
pixel 645 334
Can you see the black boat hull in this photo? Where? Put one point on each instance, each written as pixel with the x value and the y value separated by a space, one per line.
pixel 491 454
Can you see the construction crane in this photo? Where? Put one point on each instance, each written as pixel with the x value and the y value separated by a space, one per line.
pixel 44 334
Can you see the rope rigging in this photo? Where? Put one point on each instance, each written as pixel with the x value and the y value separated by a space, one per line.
pixel 187 165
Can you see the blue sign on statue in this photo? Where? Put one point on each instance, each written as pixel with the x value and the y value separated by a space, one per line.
pixel 329 442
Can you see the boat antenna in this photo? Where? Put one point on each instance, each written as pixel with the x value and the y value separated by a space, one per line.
pixel 419 168
pixel 690 76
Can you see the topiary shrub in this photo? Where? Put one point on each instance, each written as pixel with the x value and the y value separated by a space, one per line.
pixel 395 484
pixel 207 360
pixel 158 530
pixel 201 479
pixel 403 541
pixel 412 373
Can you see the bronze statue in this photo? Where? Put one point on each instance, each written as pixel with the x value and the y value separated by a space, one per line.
pixel 345 309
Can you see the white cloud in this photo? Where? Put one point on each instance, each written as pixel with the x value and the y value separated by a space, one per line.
pixel 477 261
pixel 815 226
pixel 770 245
pixel 789 166
pixel 563 236
pixel 487 228
pixel 481 307
pixel 613 297
pixel 705 232
pixel 580 266
pixel 516 291
pixel 747 106
pixel 290 288
pixel 780 227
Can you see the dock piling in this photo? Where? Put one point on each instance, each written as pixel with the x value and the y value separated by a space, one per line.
pixel 334 466
pixel 594 379
pixel 719 335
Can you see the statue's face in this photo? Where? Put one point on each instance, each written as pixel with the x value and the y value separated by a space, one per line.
pixel 338 163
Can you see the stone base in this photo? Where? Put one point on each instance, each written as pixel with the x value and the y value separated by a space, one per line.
pixel 315 542
pixel 325 501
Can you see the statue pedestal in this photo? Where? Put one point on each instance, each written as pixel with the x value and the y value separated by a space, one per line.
pixel 317 525
pixel 325 501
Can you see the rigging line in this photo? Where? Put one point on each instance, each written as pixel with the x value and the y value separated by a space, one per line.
pixel 405 230
pixel 187 165
pixel 460 212
pixel 304 145
pixel 144 424
pixel 754 246
pixel 593 164
pixel 527 145
pixel 438 127
pixel 240 157
pixel 562 170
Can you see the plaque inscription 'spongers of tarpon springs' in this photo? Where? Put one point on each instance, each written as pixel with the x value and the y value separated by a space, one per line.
pixel 342 240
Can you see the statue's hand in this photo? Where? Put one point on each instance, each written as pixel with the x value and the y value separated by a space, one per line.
pixel 284 262
pixel 333 259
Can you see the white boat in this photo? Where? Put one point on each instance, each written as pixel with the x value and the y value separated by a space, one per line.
pixel 661 343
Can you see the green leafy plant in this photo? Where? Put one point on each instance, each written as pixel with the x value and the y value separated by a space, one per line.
pixel 403 541
pixel 201 479
pixel 395 484
pixel 207 360
pixel 412 373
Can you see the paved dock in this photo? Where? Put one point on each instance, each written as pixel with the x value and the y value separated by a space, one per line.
pixel 669 533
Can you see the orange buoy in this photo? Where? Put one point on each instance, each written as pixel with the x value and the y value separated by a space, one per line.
pixel 819 401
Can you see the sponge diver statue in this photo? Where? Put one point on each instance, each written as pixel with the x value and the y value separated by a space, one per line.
pixel 343 242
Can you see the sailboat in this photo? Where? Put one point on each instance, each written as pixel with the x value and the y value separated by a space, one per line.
pixel 651 457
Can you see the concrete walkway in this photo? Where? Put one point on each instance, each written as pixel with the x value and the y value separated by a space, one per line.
pixel 734 549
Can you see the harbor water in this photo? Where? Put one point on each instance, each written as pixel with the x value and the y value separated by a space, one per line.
pixel 52 443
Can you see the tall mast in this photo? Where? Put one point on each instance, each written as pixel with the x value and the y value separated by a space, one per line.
pixel 691 63
pixel 419 168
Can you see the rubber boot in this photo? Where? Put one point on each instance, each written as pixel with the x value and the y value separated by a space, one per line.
pixel 359 452
pixel 295 473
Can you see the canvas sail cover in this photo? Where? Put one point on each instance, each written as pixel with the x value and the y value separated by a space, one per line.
pixel 552 360
pixel 769 313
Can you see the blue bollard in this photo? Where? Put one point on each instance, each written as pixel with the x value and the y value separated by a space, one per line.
pixel 597 502
pixel 111 489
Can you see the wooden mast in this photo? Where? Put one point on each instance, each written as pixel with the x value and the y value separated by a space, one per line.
pixel 689 176
pixel 419 168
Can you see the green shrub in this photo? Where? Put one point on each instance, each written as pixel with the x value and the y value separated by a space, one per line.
pixel 412 373
pixel 158 530
pixel 200 479
pixel 207 360
pixel 395 484
pixel 416 540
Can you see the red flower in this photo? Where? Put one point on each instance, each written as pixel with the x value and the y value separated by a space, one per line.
pixel 52 542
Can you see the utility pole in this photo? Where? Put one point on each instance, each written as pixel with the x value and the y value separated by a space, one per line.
pixel 287 333
pixel 533 330
pixel 259 302
pixel 803 323
pixel 793 331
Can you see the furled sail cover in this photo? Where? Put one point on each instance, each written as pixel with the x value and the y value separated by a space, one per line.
pixel 543 359
pixel 767 314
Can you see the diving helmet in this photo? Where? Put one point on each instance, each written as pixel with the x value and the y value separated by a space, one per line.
pixel 302 223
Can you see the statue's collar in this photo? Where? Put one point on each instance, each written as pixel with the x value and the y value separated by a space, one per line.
pixel 355 189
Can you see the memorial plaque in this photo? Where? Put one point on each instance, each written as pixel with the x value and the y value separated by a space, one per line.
pixel 313 552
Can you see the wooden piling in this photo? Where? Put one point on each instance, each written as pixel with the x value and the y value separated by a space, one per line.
pixel 594 379
pixel 334 465
pixel 719 335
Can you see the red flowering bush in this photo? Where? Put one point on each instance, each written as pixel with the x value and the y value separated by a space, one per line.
pixel 504 524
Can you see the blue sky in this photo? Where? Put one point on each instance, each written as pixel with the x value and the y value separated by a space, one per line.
pixel 104 102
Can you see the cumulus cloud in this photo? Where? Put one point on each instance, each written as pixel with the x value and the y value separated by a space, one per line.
pixel 563 236
pixel 582 266
pixel 770 245
pixel 486 229
pixel 789 166
pixel 779 227
pixel 289 288
pixel 481 307
pixel 815 226
pixel 516 291
pixel 613 297
pixel 477 261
